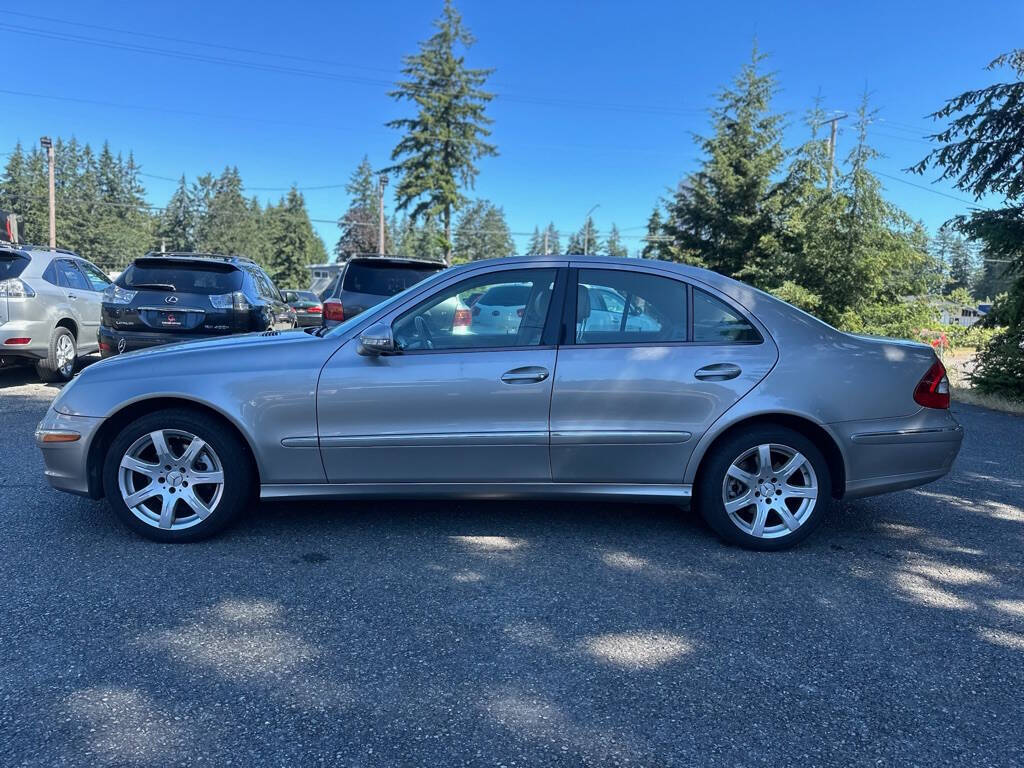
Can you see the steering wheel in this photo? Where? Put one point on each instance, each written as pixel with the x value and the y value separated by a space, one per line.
pixel 423 331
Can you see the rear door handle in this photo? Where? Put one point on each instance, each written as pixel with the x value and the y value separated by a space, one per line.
pixel 718 372
pixel 526 375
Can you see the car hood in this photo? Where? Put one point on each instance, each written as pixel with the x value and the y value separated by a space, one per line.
pixel 212 346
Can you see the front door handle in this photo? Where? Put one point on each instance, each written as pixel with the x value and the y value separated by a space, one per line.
pixel 526 375
pixel 718 372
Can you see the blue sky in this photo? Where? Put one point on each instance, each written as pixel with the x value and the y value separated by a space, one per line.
pixel 596 101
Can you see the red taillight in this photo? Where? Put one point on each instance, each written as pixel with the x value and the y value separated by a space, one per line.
pixel 333 310
pixel 104 346
pixel 313 310
pixel 462 318
pixel 520 311
pixel 18 340
pixel 933 389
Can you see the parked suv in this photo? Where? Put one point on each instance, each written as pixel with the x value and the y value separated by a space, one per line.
pixel 166 298
pixel 367 280
pixel 49 308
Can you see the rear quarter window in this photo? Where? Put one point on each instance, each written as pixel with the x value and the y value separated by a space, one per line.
pixel 715 321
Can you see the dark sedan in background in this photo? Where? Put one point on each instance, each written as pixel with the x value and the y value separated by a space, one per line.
pixel 367 280
pixel 307 306
pixel 166 298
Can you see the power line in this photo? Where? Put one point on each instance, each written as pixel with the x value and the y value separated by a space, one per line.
pixel 929 189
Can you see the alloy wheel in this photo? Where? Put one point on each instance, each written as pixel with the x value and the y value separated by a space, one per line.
pixel 171 479
pixel 770 490
pixel 65 355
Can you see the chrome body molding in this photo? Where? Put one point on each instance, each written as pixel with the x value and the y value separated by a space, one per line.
pixel 631 492
pixel 901 436
pixel 616 437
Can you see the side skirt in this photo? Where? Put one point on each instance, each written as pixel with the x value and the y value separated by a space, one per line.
pixel 609 491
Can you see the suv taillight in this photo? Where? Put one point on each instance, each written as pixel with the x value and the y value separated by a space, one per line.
pixel 463 318
pixel 334 311
pixel 16 288
pixel 236 301
pixel 933 389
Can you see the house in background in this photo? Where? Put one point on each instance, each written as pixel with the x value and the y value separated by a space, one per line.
pixel 953 312
pixel 322 274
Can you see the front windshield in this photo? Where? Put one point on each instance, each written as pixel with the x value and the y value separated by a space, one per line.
pixel 398 297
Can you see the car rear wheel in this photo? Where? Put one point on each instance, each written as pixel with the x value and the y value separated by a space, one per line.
pixel 766 488
pixel 59 363
pixel 176 476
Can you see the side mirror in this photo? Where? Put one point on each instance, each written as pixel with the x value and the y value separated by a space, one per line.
pixel 377 340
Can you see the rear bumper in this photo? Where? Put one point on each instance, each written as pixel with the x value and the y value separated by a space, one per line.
pixel 111 340
pixel 894 454
pixel 67 463
pixel 37 331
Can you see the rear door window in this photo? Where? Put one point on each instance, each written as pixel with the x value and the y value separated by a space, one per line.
pixel 625 307
pixel 71 277
pixel 200 277
pixel 384 279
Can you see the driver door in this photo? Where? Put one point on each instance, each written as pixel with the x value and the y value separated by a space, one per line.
pixel 465 400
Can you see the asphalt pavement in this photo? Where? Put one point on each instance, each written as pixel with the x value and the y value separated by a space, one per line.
pixel 514 634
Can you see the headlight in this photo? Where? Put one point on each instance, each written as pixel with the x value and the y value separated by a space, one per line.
pixel 16 288
pixel 115 294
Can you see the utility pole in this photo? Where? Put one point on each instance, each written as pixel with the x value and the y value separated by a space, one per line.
pixel 382 182
pixel 46 144
pixel 832 147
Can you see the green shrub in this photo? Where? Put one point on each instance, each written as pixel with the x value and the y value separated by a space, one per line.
pixel 1000 365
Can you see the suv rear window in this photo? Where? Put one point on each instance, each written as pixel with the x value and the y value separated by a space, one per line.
pixel 507 295
pixel 200 277
pixel 385 279
pixel 12 265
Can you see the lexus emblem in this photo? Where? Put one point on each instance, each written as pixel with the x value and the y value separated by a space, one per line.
pixel 121 345
pixel 171 299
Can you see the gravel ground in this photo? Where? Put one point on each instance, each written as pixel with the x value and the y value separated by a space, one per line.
pixel 515 634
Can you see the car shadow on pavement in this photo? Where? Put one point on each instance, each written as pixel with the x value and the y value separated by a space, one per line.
pixel 545 633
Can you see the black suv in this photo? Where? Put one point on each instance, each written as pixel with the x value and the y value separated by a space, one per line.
pixel 165 298
pixel 367 280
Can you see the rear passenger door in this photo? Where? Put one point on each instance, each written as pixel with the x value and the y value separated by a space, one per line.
pixel 92 302
pixel 635 386
pixel 79 292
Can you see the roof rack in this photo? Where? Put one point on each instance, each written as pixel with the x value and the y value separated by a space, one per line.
pixel 33 247
pixel 194 255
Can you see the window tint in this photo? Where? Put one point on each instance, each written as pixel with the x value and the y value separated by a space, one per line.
pixel 198 277
pixel 264 284
pixel 458 317
pixel 71 277
pixel 11 265
pixel 97 279
pixel 715 321
pixel 624 307
pixel 384 279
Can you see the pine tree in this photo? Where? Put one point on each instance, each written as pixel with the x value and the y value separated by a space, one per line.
pixel 228 224
pixel 724 215
pixel 360 224
pixel 586 241
pixel 176 230
pixel 536 244
pixel 962 269
pixel 656 245
pixel 292 244
pixel 613 246
pixel 553 240
pixel 482 233
pixel 441 145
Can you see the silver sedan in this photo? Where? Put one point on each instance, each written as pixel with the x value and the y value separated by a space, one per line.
pixel 702 388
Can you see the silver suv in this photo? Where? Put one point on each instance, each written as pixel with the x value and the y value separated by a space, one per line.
pixel 49 308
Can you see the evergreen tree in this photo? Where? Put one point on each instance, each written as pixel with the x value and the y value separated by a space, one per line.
pixel 962 269
pixel 536 244
pixel 613 246
pixel 360 224
pixel 482 233
pixel 292 244
pixel 229 223
pixel 587 240
pixel 553 239
pixel 176 230
pixel 656 245
pixel 437 155
pixel 724 215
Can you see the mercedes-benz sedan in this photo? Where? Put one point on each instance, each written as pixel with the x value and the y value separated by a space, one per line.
pixel 703 388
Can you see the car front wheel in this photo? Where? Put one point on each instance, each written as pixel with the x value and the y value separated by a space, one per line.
pixel 766 488
pixel 176 476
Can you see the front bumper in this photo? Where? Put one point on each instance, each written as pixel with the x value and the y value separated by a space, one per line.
pixel 893 454
pixel 67 462
pixel 119 342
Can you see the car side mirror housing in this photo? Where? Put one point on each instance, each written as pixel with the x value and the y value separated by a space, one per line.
pixel 378 339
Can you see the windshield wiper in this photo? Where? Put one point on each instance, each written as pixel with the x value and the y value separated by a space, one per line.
pixel 156 286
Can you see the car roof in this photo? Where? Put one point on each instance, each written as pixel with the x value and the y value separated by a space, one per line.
pixel 397 260
pixel 191 256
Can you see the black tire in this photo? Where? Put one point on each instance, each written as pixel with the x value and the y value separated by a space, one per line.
pixel 49 369
pixel 239 476
pixel 708 493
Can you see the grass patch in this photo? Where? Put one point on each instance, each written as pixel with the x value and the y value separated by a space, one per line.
pixel 995 402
